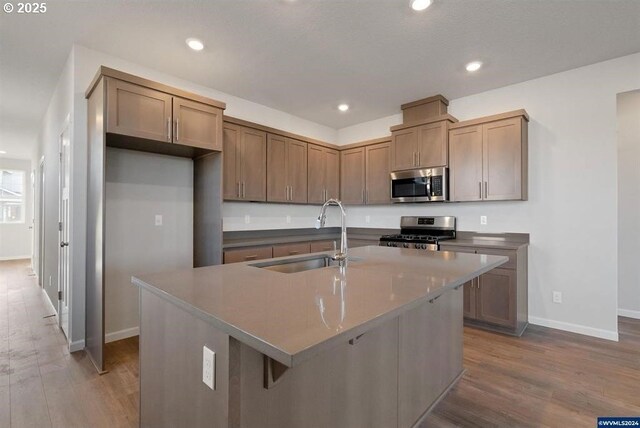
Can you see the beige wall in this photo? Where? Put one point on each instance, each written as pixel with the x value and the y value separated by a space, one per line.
pixel 629 204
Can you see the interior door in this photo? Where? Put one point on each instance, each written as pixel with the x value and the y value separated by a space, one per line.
pixel 63 232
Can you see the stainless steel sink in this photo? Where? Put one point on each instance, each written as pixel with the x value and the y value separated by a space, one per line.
pixel 299 264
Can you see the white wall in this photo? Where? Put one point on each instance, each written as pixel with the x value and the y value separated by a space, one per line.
pixel 138 187
pixel 629 204
pixel 59 110
pixel 16 238
pixel 572 209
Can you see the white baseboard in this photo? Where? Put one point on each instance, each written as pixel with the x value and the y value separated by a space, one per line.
pixel 629 313
pixel 575 328
pixel 78 345
pixel 4 259
pixel 122 334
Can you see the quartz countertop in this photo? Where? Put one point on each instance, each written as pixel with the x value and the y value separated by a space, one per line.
pixel 291 317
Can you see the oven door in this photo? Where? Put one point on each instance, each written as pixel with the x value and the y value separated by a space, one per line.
pixel 421 185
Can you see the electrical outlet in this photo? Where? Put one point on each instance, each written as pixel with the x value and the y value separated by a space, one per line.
pixel 483 219
pixel 158 219
pixel 367 219
pixel 288 219
pixel 557 297
pixel 208 367
pixel 49 280
pixel 247 219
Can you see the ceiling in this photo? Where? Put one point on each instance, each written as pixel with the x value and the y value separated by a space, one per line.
pixel 304 57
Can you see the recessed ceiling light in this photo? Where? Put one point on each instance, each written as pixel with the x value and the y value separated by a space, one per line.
pixel 473 66
pixel 2 152
pixel 420 4
pixel 195 44
pixel 343 107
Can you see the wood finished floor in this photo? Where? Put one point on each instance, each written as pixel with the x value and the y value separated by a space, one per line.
pixel 546 378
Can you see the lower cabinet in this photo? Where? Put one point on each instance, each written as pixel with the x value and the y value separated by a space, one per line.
pixel 247 254
pixel 318 246
pixel 283 250
pixel 497 300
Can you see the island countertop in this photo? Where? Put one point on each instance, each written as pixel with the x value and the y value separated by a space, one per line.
pixel 291 317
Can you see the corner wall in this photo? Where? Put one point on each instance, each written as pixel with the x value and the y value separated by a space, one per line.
pixel 629 204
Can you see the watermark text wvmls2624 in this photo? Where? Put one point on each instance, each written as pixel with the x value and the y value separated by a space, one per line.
pixel 25 8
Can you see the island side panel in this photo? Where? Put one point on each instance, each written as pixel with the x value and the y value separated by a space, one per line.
pixel 430 355
pixel 171 389
pixel 348 386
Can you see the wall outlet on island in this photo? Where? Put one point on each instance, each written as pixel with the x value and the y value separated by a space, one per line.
pixel 208 367
pixel 557 297
pixel 483 219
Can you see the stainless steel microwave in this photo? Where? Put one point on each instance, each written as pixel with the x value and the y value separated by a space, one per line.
pixel 420 185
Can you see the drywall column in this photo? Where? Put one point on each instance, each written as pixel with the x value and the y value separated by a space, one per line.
pixel 629 204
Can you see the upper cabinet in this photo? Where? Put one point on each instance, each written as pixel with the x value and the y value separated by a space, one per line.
pixel 245 163
pixel 488 158
pixel 420 144
pixel 365 174
pixel 138 111
pixel 323 174
pixel 287 167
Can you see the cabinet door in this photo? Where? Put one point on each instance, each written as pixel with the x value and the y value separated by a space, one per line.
pixel 297 171
pixel 197 125
pixel 465 161
pixel 247 254
pixel 283 250
pixel 432 145
pixel 404 149
pixel 469 298
pixel 352 175
pixel 332 173
pixel 137 111
pixel 253 165
pixel 277 186
pixel 316 174
pixel 231 162
pixel 496 297
pixel 378 181
pixel 317 246
pixel 502 159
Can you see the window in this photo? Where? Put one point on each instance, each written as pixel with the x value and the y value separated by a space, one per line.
pixel 12 189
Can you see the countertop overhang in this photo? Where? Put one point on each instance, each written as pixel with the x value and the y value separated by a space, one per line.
pixel 291 317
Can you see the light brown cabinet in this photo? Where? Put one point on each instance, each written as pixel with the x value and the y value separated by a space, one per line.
pixel 287 170
pixel 282 250
pixel 365 175
pixel 420 146
pixel 137 111
pixel 247 254
pixel 323 174
pixel 377 182
pixel 318 246
pixel 245 164
pixel 352 175
pixel 488 161
pixel 497 299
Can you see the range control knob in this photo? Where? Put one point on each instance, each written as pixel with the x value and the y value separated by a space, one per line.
pixel 417 246
pixel 424 246
pixel 405 245
pixel 389 244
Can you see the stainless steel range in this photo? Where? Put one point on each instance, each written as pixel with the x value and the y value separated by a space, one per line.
pixel 424 233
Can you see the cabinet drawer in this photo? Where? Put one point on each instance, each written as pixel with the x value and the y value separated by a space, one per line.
pixel 511 264
pixel 290 249
pixel 317 246
pixel 247 254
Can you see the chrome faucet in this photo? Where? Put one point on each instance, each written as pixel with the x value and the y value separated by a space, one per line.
pixel 341 256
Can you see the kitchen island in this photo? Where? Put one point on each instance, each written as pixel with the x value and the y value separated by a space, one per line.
pixel 374 344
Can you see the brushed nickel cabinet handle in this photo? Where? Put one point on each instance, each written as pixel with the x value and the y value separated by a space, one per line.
pixel 252 257
pixel 293 253
pixel 177 129
pixel 169 129
pixel 486 190
pixel 480 189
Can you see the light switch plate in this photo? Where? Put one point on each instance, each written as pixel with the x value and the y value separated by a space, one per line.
pixel 247 219
pixel 483 219
pixel 288 219
pixel 208 367
pixel 557 297
pixel 367 219
pixel 158 221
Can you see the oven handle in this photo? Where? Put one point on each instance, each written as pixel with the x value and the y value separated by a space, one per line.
pixel 429 188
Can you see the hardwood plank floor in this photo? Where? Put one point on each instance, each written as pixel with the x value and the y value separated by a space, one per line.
pixel 547 378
